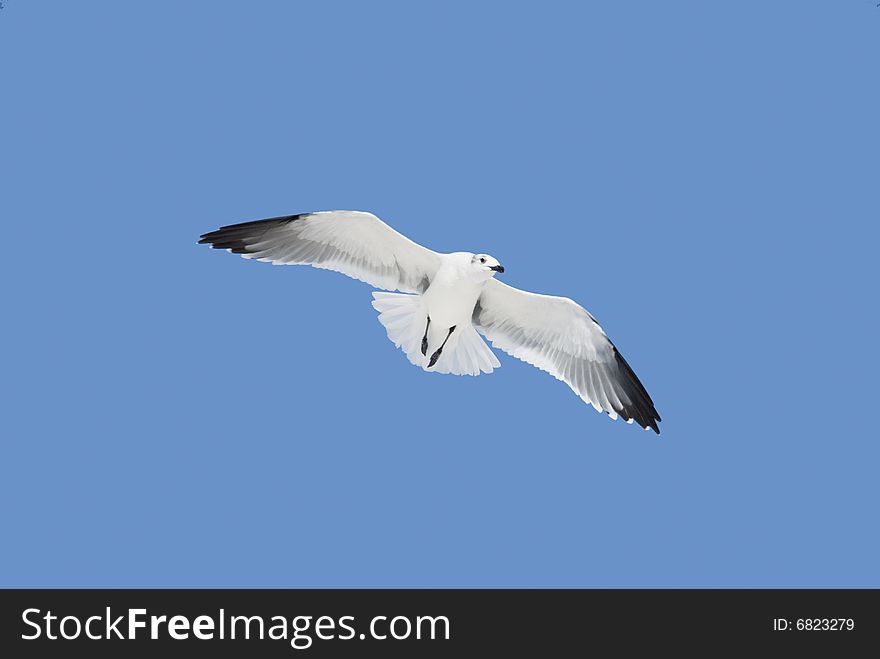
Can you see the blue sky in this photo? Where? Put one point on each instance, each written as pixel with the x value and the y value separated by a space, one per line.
pixel 701 176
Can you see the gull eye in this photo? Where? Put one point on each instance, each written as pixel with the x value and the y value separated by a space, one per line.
pixel 482 260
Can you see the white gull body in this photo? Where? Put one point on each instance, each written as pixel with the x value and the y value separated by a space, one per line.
pixel 449 302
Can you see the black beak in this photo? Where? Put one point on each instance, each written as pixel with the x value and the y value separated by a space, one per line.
pixel 497 268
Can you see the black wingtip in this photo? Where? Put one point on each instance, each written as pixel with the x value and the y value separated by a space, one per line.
pixel 236 237
pixel 641 410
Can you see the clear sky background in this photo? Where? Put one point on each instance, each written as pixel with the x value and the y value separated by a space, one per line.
pixel 703 177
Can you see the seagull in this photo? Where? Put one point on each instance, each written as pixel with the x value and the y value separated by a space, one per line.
pixel 439 305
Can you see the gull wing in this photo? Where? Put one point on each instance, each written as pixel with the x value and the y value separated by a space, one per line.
pixel 355 243
pixel 559 336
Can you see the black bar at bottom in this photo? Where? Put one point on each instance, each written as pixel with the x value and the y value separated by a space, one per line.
pixel 417 623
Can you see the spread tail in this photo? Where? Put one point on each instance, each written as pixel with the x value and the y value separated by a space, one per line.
pixel 404 317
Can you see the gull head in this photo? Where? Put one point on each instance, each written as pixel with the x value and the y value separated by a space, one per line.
pixel 486 265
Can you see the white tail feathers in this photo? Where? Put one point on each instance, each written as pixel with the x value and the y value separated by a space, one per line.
pixel 466 354
pixel 404 317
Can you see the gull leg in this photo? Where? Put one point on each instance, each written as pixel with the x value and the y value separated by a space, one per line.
pixel 439 350
pixel 425 338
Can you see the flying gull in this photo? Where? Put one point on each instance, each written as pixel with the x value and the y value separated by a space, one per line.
pixel 447 300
